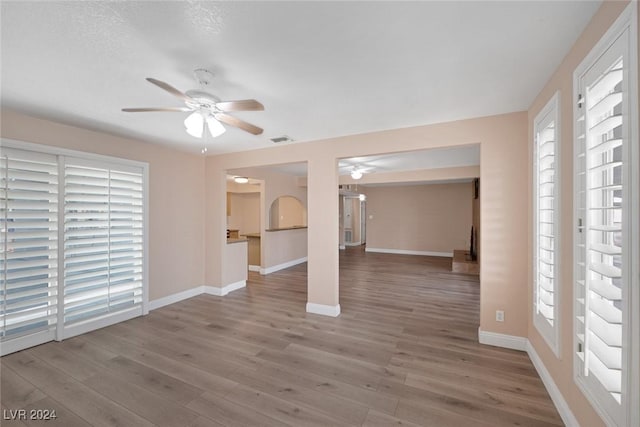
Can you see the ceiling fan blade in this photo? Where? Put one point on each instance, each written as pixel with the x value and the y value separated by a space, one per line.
pixel 230 120
pixel 242 105
pixel 143 110
pixel 172 90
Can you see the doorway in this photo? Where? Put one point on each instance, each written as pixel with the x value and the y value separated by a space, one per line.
pixel 354 219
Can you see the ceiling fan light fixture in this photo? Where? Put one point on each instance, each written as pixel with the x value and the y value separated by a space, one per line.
pixel 194 124
pixel 356 174
pixel 215 127
pixel 241 179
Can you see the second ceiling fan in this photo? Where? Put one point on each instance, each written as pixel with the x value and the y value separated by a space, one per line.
pixel 205 108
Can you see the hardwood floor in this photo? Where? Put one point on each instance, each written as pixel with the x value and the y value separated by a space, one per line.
pixel 404 351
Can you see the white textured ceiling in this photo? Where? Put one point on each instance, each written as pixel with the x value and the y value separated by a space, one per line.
pixel 321 69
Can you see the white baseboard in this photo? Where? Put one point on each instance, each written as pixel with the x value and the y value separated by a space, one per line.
pixel 406 252
pixel 520 343
pixel 282 266
pixel 173 298
pixel 234 287
pixel 26 341
pixel 554 392
pixel 255 268
pixel 100 322
pixel 325 310
pixel 198 290
pixel 213 290
pixel 502 340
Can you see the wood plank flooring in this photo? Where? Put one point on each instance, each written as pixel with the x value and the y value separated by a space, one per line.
pixel 404 352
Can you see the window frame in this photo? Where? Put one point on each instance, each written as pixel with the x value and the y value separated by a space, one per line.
pixel 549 113
pixel 629 413
pixel 62 154
pixel 109 168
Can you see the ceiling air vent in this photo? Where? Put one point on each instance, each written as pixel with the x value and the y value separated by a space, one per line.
pixel 281 139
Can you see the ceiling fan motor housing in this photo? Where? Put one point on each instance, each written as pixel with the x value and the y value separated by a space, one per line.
pixel 202 100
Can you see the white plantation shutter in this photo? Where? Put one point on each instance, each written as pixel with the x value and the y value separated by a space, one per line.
pixel 601 281
pixel 72 248
pixel 103 247
pixel 606 202
pixel 28 261
pixel 546 204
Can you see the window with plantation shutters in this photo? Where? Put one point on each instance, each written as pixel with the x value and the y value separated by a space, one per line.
pixel 606 202
pixel 72 249
pixel 103 248
pixel 28 265
pixel 546 207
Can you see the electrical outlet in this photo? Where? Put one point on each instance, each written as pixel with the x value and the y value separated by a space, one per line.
pixel 499 316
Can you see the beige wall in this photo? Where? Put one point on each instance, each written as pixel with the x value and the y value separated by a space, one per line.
pixel 251 216
pixel 561 369
pixel 290 212
pixel 245 212
pixel 255 186
pixel 176 195
pixel 503 173
pixel 235 258
pixel 426 218
pixel 284 246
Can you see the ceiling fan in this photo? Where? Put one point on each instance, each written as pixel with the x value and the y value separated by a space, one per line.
pixel 205 108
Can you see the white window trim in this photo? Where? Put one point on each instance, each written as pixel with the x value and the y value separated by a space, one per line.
pixel 551 334
pixel 58 334
pixel 627 20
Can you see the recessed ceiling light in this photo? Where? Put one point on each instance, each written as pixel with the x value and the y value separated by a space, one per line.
pixel 241 179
